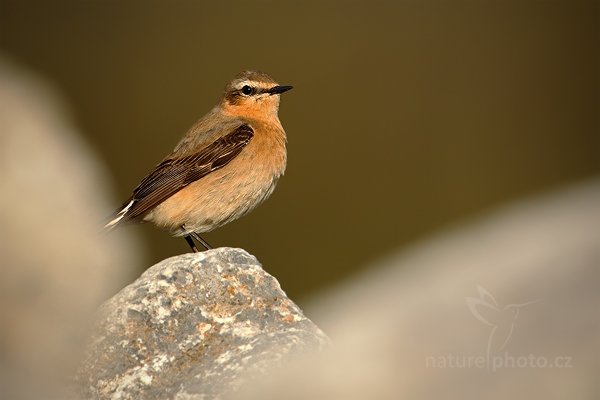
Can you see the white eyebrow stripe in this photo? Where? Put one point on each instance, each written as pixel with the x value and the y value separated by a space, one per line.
pixel 255 84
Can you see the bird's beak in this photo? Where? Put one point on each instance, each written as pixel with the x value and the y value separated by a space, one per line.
pixel 279 89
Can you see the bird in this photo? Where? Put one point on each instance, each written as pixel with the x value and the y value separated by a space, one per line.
pixel 226 164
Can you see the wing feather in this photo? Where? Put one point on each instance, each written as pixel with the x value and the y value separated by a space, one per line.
pixel 173 174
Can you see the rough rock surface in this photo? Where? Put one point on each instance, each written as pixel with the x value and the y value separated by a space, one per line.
pixel 195 326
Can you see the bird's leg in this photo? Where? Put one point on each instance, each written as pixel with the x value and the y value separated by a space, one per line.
pixel 194 235
pixel 202 241
pixel 190 241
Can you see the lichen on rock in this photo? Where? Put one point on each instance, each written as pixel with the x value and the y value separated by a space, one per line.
pixel 194 326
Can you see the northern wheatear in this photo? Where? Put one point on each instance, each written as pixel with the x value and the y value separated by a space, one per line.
pixel 224 166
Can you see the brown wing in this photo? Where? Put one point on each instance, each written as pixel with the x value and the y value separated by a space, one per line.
pixel 173 174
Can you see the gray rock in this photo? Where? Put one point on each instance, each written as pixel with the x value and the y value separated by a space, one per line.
pixel 51 249
pixel 437 320
pixel 195 326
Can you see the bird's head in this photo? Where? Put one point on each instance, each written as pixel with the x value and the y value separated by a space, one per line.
pixel 252 94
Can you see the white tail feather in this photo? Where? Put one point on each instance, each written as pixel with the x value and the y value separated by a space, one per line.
pixel 112 223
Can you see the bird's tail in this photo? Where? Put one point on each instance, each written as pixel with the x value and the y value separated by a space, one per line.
pixel 118 216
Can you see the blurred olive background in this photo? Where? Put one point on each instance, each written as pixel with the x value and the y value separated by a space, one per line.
pixel 405 116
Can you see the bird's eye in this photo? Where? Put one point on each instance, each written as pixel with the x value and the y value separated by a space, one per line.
pixel 247 90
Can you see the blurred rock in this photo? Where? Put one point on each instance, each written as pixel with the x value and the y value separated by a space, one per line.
pixel 194 327
pixel 55 264
pixel 503 308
